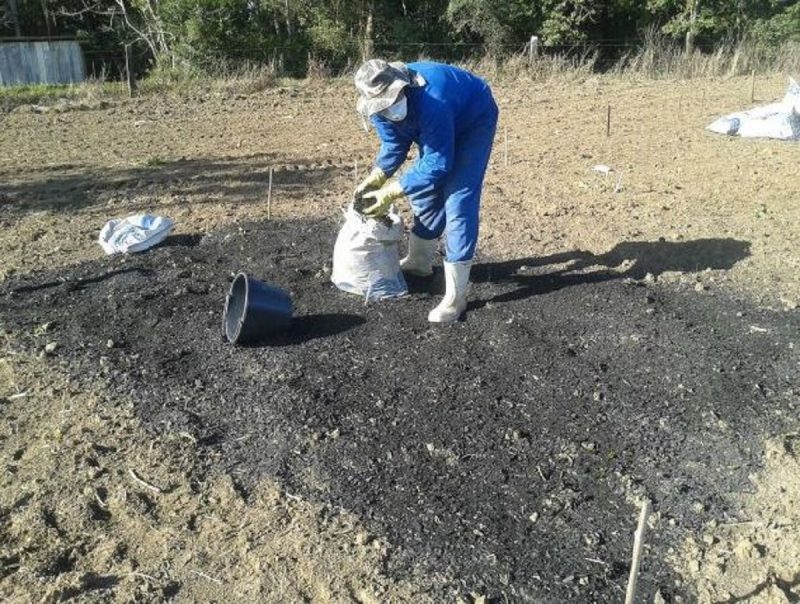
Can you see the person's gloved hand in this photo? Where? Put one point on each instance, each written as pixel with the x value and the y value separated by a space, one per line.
pixel 382 199
pixel 375 180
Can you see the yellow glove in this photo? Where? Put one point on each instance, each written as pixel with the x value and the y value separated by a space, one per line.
pixel 376 179
pixel 383 199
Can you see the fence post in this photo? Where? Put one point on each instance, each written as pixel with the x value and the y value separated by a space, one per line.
pixel 533 49
pixel 131 80
pixel 269 195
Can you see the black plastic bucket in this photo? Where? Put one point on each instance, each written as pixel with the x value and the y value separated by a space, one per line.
pixel 254 310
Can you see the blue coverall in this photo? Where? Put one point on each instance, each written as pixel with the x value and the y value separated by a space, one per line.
pixel 452 119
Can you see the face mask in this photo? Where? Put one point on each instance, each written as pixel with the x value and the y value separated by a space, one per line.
pixel 396 112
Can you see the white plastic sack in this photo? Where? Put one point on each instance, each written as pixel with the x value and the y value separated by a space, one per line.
pixel 366 259
pixel 776 120
pixel 134 233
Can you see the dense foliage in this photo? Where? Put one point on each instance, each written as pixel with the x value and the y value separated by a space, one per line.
pixel 208 34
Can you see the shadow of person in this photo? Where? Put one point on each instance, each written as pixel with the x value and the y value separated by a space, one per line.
pixel 433 285
pixel 631 259
pixel 657 257
pixel 312 327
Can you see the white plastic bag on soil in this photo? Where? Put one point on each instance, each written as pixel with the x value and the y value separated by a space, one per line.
pixel 776 120
pixel 134 233
pixel 366 259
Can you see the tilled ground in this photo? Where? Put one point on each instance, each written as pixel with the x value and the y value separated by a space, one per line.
pixel 507 452
pixel 204 160
pixel 698 220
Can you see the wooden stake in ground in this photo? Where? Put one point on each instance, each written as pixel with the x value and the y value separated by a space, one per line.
pixel 505 148
pixel 533 49
pixel 269 196
pixel 753 86
pixel 638 546
pixel 608 121
pixel 128 70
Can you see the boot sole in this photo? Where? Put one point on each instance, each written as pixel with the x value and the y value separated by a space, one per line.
pixel 448 322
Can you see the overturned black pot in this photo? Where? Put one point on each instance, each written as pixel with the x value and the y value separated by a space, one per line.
pixel 254 310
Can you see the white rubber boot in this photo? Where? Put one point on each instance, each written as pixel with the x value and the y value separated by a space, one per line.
pixel 419 261
pixel 454 303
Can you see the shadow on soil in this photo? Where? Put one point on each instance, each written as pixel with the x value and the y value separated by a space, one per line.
pixel 185 240
pixel 644 257
pixel 223 179
pixel 786 587
pixel 312 327
pixel 79 283
pixel 501 453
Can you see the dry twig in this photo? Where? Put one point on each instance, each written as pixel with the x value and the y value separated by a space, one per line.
pixel 143 482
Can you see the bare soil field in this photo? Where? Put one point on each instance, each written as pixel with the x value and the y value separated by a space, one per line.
pixel 656 304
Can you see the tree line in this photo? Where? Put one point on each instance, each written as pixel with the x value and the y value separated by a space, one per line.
pixel 291 34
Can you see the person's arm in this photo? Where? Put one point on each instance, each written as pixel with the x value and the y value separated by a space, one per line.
pixel 394 147
pixel 437 143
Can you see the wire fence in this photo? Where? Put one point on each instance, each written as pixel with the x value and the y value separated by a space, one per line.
pixel 294 60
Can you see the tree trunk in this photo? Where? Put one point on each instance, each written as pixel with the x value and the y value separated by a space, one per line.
pixel 288 21
pixel 46 17
pixel 367 47
pixel 692 30
pixel 13 13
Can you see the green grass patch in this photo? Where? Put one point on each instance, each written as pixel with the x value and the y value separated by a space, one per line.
pixel 46 94
pixel 154 161
pixel 36 92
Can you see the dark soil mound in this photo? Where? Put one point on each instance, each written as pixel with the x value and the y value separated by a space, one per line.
pixel 501 451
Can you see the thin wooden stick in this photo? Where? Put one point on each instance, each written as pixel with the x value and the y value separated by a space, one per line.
pixel 129 77
pixel 269 196
pixel 505 148
pixel 638 546
pixel 144 483
pixel 355 171
pixel 608 121
pixel 753 86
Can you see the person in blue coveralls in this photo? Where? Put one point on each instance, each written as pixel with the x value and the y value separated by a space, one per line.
pixel 451 116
